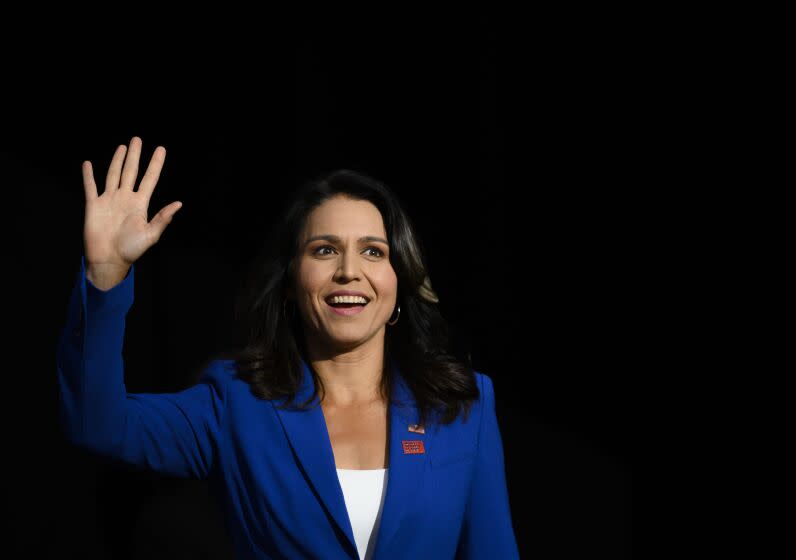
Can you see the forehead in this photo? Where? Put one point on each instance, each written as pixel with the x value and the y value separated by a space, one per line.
pixel 342 216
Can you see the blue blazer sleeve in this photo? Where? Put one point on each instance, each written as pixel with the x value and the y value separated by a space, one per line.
pixel 172 433
pixel 487 530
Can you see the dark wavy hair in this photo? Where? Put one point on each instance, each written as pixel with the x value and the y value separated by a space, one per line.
pixel 269 342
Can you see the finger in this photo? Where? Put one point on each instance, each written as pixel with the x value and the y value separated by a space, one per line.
pixel 130 172
pixel 89 186
pixel 162 219
pixel 115 169
pixel 152 174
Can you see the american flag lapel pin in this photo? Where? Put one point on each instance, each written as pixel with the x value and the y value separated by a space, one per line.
pixel 417 428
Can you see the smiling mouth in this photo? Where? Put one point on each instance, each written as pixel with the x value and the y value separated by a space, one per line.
pixel 345 308
pixel 346 300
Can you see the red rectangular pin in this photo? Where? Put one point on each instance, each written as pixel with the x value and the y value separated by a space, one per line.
pixel 413 446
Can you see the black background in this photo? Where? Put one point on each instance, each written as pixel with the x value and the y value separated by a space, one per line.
pixel 521 163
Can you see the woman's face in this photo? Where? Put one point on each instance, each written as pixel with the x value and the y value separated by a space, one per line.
pixel 344 248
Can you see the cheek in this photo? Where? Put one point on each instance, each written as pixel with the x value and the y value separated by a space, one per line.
pixel 309 282
pixel 386 283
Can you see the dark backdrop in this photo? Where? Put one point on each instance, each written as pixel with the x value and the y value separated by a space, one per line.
pixel 518 162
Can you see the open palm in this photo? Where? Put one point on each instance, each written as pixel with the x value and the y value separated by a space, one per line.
pixel 116 231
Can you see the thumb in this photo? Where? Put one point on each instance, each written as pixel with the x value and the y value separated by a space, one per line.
pixel 163 218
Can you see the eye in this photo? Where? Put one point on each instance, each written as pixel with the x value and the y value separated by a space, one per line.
pixel 379 252
pixel 319 249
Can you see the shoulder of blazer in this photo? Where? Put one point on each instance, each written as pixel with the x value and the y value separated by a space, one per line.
pixel 484 383
pixel 486 397
pixel 219 374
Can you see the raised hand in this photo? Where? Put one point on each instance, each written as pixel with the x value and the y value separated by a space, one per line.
pixel 116 231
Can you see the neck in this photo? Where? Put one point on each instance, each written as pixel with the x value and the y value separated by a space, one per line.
pixel 351 377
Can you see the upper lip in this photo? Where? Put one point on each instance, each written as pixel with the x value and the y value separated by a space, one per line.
pixel 347 293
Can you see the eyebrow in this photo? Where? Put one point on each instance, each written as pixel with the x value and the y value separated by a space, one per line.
pixel 335 239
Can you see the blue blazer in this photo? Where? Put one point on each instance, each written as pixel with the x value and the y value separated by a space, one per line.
pixel 273 470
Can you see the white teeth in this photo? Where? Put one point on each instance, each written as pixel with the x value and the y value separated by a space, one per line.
pixel 347 299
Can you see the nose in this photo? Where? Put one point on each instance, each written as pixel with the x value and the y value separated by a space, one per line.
pixel 348 267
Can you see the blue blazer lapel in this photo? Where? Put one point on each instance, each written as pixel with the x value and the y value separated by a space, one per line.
pixel 309 438
pixel 406 476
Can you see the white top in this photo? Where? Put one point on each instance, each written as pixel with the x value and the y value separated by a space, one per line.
pixel 364 491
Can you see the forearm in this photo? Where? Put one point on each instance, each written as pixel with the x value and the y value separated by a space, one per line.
pixel 90 365
pixel 172 433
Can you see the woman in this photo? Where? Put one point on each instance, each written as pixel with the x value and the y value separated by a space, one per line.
pixel 343 427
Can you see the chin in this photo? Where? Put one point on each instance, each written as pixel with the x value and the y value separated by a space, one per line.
pixel 348 339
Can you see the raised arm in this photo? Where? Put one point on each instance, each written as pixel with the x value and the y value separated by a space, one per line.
pixel 487 531
pixel 174 433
